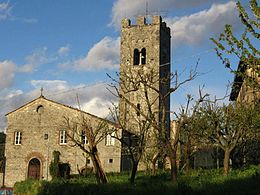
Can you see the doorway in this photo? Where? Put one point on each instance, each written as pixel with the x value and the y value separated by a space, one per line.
pixel 34 169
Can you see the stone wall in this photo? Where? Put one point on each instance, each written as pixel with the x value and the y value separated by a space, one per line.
pixel 153 37
pixel 35 125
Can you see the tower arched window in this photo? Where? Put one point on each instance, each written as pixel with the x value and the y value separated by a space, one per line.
pixel 143 56
pixel 136 57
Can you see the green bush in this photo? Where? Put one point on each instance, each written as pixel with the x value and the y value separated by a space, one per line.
pixel 58 169
pixel 54 166
pixel 64 170
pixel 28 186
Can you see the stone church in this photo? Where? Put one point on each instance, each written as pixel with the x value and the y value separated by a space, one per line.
pixel 35 129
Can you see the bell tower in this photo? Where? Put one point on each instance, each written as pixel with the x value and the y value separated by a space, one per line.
pixel 144 54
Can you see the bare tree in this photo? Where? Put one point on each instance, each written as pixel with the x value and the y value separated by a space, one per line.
pixel 185 119
pixel 153 93
pixel 134 141
pixel 86 133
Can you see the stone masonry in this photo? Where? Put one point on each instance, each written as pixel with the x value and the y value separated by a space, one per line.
pixel 40 122
pixel 145 52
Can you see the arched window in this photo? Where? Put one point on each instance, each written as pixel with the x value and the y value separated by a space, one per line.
pixel 143 56
pixel 136 57
pixel 39 109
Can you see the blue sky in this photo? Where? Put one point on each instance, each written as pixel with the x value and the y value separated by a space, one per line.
pixel 67 47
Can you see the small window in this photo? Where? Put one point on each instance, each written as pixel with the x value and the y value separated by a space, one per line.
pixel 45 136
pixel 39 109
pixel 63 137
pixel 84 139
pixel 88 161
pixel 110 140
pixel 136 57
pixel 143 56
pixel 138 106
pixel 110 160
pixel 17 138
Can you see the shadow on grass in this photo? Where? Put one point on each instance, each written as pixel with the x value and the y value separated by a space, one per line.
pixel 153 186
pixel 196 182
pixel 250 185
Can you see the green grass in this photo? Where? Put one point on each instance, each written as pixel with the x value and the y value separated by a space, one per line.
pixel 243 181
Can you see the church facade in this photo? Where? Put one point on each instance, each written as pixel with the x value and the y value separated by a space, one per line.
pixel 38 128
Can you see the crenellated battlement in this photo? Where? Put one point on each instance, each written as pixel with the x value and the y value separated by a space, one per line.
pixel 141 21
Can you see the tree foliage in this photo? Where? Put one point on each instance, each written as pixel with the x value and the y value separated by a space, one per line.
pixel 226 126
pixel 244 47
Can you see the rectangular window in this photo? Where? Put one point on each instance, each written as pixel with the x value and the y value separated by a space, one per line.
pixel 138 106
pixel 84 139
pixel 17 138
pixel 63 137
pixel 110 140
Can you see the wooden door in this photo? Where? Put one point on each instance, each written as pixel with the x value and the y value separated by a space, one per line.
pixel 34 169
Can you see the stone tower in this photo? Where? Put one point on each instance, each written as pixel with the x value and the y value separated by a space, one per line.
pixel 145 54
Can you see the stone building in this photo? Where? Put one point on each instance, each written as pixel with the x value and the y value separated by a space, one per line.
pixel 145 77
pixel 243 89
pixel 37 129
pixel 145 54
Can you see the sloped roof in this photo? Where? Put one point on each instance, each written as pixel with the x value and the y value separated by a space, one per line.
pixel 238 81
pixel 240 75
pixel 42 97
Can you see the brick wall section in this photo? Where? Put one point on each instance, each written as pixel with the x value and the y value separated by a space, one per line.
pixel 34 125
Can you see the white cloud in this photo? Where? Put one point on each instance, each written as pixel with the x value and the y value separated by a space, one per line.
pixel 194 29
pixel 6 14
pixel 13 94
pixel 38 57
pixel 26 68
pixel 7 72
pixel 9 100
pixel 50 84
pixel 128 9
pixel 103 55
pixel 8 68
pixel 197 28
pixel 93 98
pixel 35 59
pixel 97 106
pixel 5 11
pixel 64 50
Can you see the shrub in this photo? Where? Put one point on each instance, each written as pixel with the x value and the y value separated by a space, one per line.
pixel 58 169
pixel 64 170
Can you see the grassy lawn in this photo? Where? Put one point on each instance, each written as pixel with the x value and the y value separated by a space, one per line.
pixel 243 181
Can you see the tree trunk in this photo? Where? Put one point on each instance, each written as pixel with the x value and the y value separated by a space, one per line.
pixel 172 156
pixel 154 159
pixel 99 171
pixel 226 162
pixel 133 172
pixel 188 156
